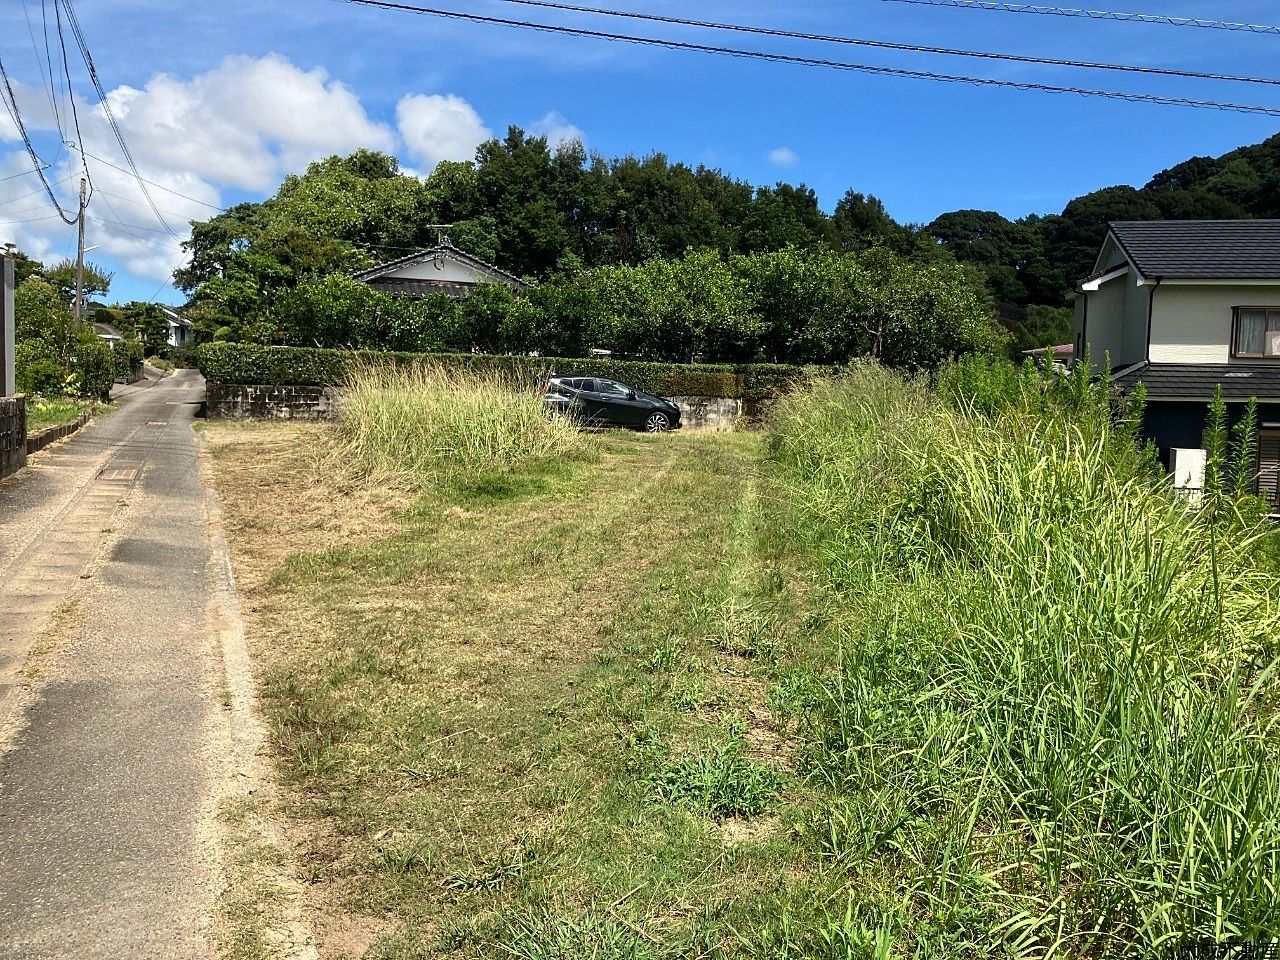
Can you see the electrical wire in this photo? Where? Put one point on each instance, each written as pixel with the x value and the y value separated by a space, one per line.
pixel 1159 18
pixel 829 64
pixel 24 173
pixel 46 71
pixel 23 196
pixel 158 186
pixel 14 223
pixel 78 35
pixel 172 213
pixel 11 106
pixel 71 95
pixel 887 45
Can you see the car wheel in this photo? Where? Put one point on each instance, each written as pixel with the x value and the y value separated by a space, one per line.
pixel 657 422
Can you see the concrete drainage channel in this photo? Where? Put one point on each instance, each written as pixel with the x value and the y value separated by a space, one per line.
pixel 38 583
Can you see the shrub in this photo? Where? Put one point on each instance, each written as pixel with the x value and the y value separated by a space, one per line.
pixel 38 369
pixel 94 365
pixel 424 421
pixel 256 364
pixel 127 355
pixel 1049 710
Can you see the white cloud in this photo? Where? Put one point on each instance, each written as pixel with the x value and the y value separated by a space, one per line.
pixel 439 127
pixel 244 122
pixel 558 130
pixel 784 157
pixel 243 125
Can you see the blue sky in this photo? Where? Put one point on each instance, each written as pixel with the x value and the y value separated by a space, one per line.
pixel 218 101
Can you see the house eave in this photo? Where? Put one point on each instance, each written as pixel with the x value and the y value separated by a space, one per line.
pixel 1093 284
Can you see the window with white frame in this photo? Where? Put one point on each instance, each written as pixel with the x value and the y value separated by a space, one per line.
pixel 1257 332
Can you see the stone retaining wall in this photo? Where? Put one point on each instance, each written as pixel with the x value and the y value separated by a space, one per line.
pixel 234 401
pixel 231 401
pixel 13 434
pixel 42 438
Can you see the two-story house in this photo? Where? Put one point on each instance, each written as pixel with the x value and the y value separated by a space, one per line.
pixel 1184 307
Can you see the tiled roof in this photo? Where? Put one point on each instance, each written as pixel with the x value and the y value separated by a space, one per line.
pixel 1202 249
pixel 449 250
pixel 1183 380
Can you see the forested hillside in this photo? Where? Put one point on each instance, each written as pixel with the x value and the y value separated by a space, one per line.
pixel 1036 259
pixel 558 214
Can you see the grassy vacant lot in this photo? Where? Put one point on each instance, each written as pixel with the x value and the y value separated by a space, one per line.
pixel 525 720
pixel 943 673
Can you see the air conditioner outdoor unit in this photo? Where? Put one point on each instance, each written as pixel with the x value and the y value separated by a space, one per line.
pixel 1187 465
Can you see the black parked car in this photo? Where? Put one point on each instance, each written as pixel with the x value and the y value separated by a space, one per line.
pixel 600 402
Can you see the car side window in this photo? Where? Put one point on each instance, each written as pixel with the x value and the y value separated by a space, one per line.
pixel 586 384
pixel 613 388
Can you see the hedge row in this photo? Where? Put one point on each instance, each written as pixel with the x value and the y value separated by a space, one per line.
pixel 302 366
pixel 127 356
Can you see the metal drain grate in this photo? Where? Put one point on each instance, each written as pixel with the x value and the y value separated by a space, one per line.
pixel 118 475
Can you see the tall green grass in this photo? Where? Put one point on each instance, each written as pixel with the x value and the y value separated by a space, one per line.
pixel 1044 719
pixel 425 422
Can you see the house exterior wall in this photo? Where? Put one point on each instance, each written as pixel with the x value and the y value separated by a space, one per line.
pixel 1137 305
pixel 1193 323
pixel 1105 328
pixel 442 270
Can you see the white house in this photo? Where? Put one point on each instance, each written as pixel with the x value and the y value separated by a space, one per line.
pixel 442 269
pixel 1184 307
pixel 179 328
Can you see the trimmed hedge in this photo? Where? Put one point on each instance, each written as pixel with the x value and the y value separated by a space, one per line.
pixel 248 363
pixel 127 355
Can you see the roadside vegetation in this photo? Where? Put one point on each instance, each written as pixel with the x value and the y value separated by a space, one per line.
pixel 935 670
pixel 424 422
pixel 43 412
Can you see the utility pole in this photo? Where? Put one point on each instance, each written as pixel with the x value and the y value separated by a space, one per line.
pixel 80 256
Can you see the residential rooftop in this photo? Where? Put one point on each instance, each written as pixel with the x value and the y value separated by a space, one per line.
pixel 1202 249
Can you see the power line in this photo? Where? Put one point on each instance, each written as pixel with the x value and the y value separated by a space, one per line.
pixel 158 186
pixel 11 106
pixel 23 196
pixel 45 74
pixel 71 94
pixel 172 213
pixel 829 64
pixel 24 173
pixel 14 223
pixel 1099 15
pixel 78 36
pixel 887 45
pixel 127 226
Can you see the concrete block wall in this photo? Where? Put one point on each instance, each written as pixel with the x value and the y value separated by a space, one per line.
pixel 231 401
pixel 13 434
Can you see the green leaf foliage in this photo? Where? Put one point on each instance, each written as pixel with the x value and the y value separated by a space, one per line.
pixel 249 363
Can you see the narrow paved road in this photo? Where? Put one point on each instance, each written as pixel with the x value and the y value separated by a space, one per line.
pixel 110 690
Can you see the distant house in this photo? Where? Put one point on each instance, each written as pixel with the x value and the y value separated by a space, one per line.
pixel 108 333
pixel 179 328
pixel 1185 307
pixel 442 269
pixel 1063 355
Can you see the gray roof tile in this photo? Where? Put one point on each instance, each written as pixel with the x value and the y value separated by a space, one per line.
pixel 1187 380
pixel 1202 249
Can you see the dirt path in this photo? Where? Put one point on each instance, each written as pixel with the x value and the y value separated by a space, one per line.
pixel 114 746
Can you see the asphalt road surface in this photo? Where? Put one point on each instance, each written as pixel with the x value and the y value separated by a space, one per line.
pixel 110 690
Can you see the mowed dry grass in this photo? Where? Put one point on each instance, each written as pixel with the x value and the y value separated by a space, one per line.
pixel 472 694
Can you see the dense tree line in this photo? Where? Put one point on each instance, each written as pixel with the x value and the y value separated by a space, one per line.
pixel 552 215
pixel 787 306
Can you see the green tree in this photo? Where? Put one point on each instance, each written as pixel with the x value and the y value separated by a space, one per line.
pixel 147 322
